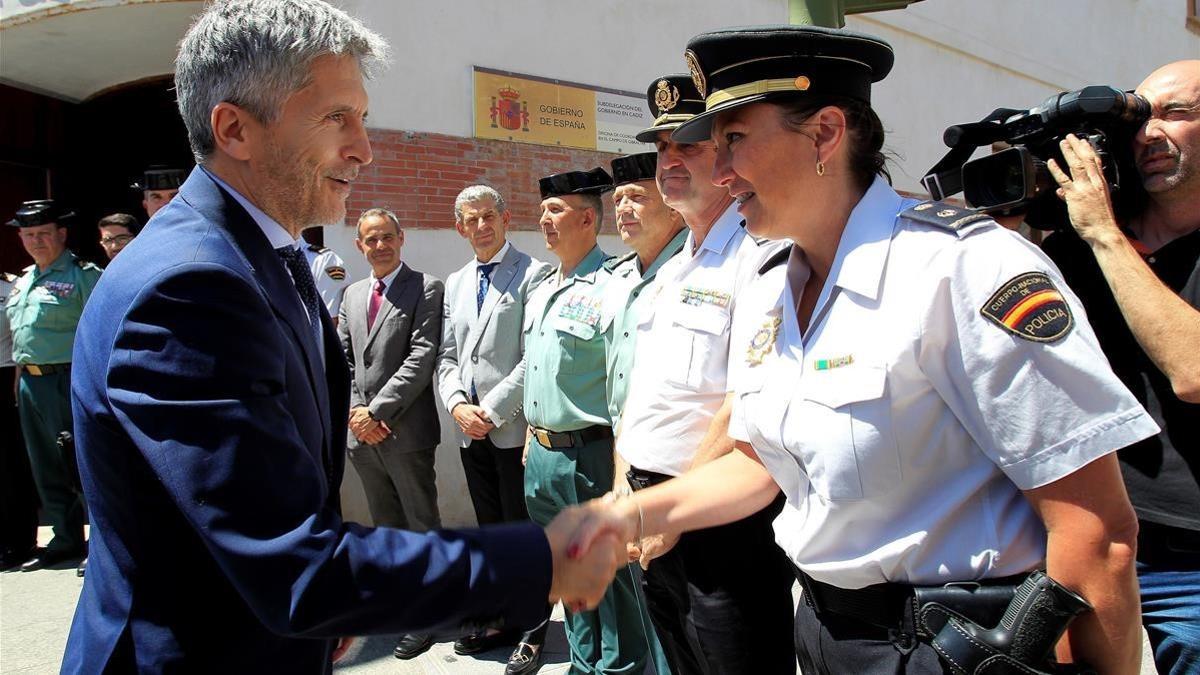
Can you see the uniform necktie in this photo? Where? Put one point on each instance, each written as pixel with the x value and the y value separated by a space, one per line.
pixel 302 278
pixel 485 282
pixel 375 302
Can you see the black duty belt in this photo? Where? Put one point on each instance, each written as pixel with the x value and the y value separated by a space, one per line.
pixel 896 607
pixel 47 369
pixel 570 439
pixel 640 479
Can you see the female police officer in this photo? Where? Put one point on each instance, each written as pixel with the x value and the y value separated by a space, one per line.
pixel 913 377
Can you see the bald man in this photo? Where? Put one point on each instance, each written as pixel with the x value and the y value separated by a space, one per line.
pixel 1140 283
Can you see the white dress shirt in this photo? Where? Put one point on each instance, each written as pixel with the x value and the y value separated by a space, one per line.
pixel 903 425
pixel 679 368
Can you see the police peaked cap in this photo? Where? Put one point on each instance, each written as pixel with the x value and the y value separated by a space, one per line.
pixel 737 66
pixel 40 212
pixel 595 181
pixel 673 100
pixel 161 178
pixel 633 168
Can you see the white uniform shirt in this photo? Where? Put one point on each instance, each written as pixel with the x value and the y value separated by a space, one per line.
pixel 329 273
pixel 902 426
pixel 679 367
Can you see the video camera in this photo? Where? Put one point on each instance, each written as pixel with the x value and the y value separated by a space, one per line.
pixel 1016 180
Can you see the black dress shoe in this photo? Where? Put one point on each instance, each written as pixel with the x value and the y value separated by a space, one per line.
pixel 482 642
pixel 525 660
pixel 412 645
pixel 43 558
pixel 12 559
pixel 82 569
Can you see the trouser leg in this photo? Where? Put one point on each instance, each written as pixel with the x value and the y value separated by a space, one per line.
pixel 382 500
pixel 1169 579
pixel 739 596
pixel 668 603
pixel 44 404
pixel 18 494
pixel 483 481
pixel 415 483
pixel 511 483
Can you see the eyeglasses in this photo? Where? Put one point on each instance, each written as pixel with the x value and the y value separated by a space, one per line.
pixel 113 241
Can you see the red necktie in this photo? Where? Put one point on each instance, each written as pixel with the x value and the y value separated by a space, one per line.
pixel 373 305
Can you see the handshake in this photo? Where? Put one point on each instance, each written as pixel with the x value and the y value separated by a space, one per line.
pixel 589 544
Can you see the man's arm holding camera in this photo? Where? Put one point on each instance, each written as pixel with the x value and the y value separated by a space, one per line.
pixel 1166 326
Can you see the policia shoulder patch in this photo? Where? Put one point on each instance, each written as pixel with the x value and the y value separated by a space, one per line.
pixel 1030 307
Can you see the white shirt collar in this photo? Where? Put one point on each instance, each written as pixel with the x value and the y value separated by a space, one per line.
pixel 274 232
pixel 387 281
pixel 720 234
pixel 863 250
pixel 496 258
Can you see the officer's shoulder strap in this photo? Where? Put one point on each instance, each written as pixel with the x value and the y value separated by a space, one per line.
pixel 9 277
pixel 86 264
pixel 946 216
pixel 613 263
pixel 778 258
pixel 317 249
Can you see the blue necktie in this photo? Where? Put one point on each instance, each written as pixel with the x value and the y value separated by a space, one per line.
pixel 485 282
pixel 302 278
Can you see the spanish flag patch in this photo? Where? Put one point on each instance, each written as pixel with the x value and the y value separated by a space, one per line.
pixel 1030 307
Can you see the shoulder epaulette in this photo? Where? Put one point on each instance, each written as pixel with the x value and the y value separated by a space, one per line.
pixel 10 278
pixel 945 216
pixel 86 264
pixel 613 263
pixel 780 257
pixel 317 249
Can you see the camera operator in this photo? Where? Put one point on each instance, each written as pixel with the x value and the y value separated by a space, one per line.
pixel 1140 284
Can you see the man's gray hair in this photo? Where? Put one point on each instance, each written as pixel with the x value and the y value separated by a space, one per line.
pixel 477 193
pixel 377 212
pixel 256 53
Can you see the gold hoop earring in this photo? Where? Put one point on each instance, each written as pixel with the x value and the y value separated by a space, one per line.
pixel 820 168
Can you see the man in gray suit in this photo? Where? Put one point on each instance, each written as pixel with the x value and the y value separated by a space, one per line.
pixel 481 372
pixel 390 325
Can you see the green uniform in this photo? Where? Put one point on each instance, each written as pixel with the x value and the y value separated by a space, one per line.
pixel 565 391
pixel 622 312
pixel 43 310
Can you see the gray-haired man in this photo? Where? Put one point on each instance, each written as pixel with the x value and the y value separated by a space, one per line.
pixel 481 371
pixel 210 395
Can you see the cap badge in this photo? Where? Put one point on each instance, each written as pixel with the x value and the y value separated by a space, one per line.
pixel 666 97
pixel 694 68
pixel 803 83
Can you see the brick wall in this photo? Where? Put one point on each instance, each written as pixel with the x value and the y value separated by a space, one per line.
pixel 418 175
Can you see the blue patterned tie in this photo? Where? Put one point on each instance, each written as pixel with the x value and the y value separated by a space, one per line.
pixel 302 278
pixel 485 282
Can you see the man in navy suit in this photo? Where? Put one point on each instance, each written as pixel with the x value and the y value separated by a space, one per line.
pixel 210 395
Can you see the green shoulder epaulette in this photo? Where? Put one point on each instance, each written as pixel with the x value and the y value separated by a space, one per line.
pixel 613 263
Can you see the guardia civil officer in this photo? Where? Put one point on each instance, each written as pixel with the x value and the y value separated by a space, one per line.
pixel 43 311
pixel 914 379
pixel 720 597
pixel 656 233
pixel 159 185
pixel 569 453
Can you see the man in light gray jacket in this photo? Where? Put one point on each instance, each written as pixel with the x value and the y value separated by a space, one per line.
pixel 481 369
pixel 390 325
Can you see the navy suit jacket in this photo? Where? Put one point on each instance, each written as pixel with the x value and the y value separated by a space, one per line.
pixel 211 444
